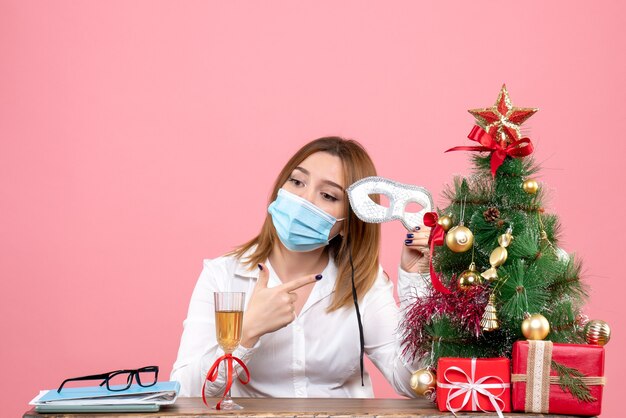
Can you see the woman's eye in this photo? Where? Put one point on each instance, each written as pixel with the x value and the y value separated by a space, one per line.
pixel 296 182
pixel 328 197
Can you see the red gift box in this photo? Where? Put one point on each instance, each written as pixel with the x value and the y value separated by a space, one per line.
pixel 536 383
pixel 470 384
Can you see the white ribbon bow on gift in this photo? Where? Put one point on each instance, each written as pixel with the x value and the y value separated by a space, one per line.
pixel 471 389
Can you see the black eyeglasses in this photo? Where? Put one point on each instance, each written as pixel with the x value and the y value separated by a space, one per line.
pixel 119 380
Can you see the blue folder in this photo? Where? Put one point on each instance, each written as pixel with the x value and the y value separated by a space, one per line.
pixel 169 391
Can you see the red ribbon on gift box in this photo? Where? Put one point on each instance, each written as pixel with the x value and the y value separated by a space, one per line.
pixel 471 388
pixel 521 148
pixel 213 372
pixel 435 239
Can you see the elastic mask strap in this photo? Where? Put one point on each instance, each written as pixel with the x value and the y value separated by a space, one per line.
pixel 356 304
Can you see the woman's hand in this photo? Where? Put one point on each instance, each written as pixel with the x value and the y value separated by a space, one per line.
pixel 414 257
pixel 270 309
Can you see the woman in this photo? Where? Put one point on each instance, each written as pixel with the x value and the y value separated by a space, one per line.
pixel 300 336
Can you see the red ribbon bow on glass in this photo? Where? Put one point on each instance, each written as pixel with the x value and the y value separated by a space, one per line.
pixel 436 238
pixel 515 149
pixel 213 372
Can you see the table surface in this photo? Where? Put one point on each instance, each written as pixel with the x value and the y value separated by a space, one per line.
pixel 300 407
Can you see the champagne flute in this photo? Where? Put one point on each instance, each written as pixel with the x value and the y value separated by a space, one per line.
pixel 228 323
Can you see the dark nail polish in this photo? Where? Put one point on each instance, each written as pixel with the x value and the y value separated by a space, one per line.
pixel 408 241
pixel 260 267
pixel 409 235
pixel 318 277
pixel 417 228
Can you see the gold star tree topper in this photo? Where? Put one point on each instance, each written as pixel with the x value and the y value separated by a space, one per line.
pixel 502 121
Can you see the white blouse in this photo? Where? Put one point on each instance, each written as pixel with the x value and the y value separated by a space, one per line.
pixel 317 355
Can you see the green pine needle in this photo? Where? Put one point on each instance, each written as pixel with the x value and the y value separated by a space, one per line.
pixel 568 282
pixel 448 340
pixel 510 167
pixel 570 381
pixel 526 244
pixel 563 325
pixel 522 291
pixel 471 191
pixel 552 227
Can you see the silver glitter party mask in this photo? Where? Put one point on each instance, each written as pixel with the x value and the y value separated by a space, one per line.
pixel 399 195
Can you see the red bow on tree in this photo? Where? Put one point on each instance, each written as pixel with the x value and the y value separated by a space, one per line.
pixel 436 238
pixel 499 151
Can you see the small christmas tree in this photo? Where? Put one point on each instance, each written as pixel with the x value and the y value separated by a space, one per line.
pixel 501 262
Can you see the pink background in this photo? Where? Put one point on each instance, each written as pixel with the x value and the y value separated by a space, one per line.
pixel 138 138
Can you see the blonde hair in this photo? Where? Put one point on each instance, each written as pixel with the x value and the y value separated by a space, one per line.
pixel 364 237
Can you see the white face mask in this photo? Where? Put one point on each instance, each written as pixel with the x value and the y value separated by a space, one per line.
pixel 399 195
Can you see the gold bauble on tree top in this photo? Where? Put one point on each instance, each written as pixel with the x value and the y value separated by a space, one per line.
pixel 597 332
pixel 530 186
pixel 423 382
pixel 445 222
pixel 469 278
pixel 459 239
pixel 535 327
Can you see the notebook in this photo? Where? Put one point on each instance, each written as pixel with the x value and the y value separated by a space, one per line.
pixel 100 399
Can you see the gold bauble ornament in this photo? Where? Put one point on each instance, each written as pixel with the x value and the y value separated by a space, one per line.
pixel 530 186
pixel 459 239
pixel 469 278
pixel 535 327
pixel 597 332
pixel 445 222
pixel 423 382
